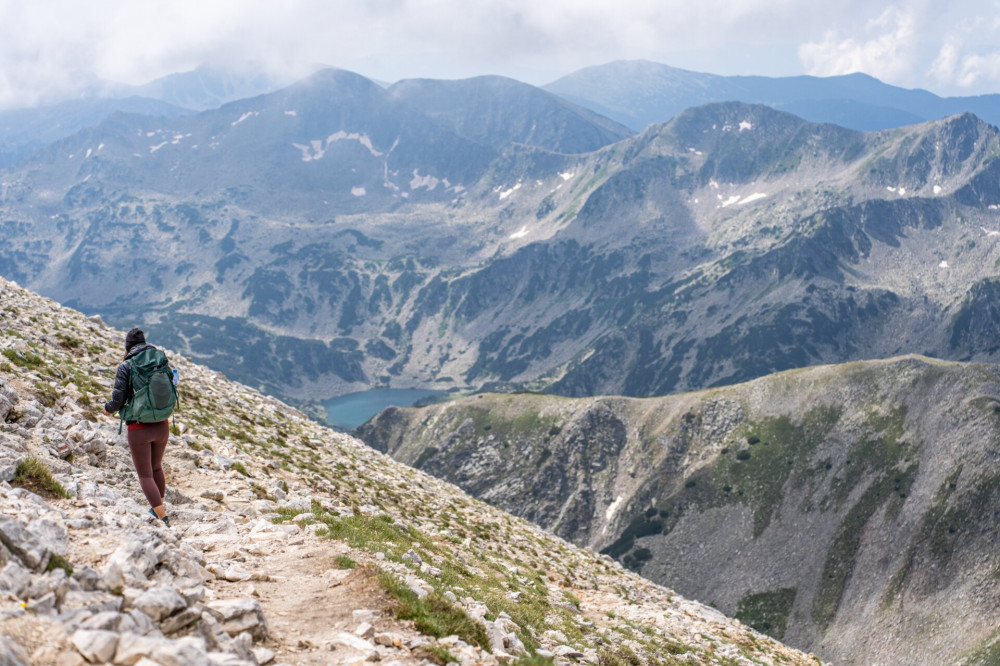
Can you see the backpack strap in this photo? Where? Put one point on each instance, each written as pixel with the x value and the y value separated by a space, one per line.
pixel 121 412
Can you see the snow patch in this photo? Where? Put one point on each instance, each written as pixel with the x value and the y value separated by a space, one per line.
pixel 943 264
pixel 937 189
pixel 990 232
pixel 520 233
pixel 100 147
pixel 714 185
pixel 246 115
pixel 291 113
pixel 155 148
pixel 696 152
pixel 613 507
pixel 358 191
pixel 89 151
pixel 318 147
pixel 745 125
pixel 730 201
pixel 901 191
pixel 567 175
pixel 506 193
pixel 430 182
pixel 753 197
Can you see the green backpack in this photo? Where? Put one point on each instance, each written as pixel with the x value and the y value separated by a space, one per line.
pixel 154 395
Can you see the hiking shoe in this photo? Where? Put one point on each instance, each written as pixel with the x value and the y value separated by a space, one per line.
pixel 166 521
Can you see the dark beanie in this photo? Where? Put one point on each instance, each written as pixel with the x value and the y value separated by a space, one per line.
pixel 133 338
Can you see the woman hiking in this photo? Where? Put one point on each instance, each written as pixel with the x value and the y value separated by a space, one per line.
pixel 145 396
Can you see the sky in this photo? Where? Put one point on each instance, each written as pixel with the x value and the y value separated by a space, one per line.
pixel 52 49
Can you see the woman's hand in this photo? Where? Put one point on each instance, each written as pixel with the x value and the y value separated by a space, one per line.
pixel 107 413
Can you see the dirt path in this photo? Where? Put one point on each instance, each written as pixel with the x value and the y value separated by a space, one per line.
pixel 307 595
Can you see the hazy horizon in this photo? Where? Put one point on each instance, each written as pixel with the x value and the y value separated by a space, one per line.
pixel 56 49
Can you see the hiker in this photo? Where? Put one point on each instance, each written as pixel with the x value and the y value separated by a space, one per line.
pixel 148 417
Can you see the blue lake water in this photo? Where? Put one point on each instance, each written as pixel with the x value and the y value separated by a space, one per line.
pixel 351 410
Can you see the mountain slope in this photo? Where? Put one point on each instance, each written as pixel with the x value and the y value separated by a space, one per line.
pixel 846 509
pixel 25 131
pixel 342 239
pixel 270 513
pixel 206 87
pixel 497 111
pixel 638 93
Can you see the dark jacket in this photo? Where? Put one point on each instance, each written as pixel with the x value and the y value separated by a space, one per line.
pixel 122 391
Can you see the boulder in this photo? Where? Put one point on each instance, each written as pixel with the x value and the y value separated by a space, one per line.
pixel 239 615
pixel 14 579
pixel 19 541
pixel 96 646
pixel 159 602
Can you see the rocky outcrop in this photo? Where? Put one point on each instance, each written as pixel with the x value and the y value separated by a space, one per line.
pixel 845 509
pixel 288 544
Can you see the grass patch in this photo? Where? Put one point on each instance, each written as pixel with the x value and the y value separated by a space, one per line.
pixel 490 582
pixel 68 341
pixel 436 654
pixel 433 615
pixel 344 562
pixel 241 468
pixel 25 360
pixel 620 655
pixel 33 475
pixel 425 455
pixel 47 394
pixel 59 562
pixel 767 612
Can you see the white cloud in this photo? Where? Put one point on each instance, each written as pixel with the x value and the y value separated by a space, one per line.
pixel 58 47
pixel 886 49
pixel 955 66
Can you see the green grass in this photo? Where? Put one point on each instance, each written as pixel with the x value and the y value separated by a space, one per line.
pixel 59 562
pixel 490 582
pixel 241 468
pixel 33 475
pixel 767 612
pixel 436 654
pixel 344 562
pixel 25 360
pixel 433 615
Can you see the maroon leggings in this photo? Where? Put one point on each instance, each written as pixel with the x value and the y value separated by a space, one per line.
pixel 147 446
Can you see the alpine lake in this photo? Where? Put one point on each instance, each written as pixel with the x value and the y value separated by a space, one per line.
pixel 353 409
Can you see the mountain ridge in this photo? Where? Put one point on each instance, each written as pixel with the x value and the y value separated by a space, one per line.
pixel 638 93
pixel 850 501
pixel 378 258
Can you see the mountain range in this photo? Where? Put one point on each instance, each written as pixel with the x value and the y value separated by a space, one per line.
pixel 638 93
pixel 847 510
pixel 337 235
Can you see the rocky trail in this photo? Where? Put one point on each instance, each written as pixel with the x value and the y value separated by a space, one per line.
pixel 289 543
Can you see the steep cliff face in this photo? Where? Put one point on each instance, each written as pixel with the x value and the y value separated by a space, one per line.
pixel 847 509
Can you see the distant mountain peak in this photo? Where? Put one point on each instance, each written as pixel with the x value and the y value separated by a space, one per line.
pixel 637 93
